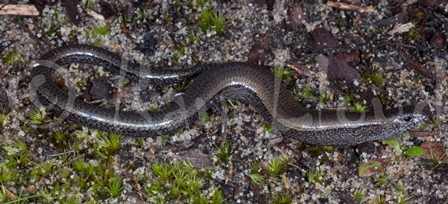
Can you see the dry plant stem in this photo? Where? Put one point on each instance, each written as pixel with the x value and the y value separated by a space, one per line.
pixel 18 9
pixel 353 7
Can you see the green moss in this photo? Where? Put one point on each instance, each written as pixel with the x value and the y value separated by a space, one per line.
pixel 282 73
pixel 224 153
pixel 382 180
pixel 211 19
pixel 314 176
pixel 179 53
pixel 257 179
pixel 115 186
pixel 268 127
pixel 323 99
pixel 282 198
pixel 111 143
pixel 59 136
pixel 99 31
pixel 12 58
pixel 359 108
pixel 276 167
pixel 37 116
pixel 166 18
pixel 375 79
pixel 349 98
pixel 180 181
pixel 412 32
pixel 358 196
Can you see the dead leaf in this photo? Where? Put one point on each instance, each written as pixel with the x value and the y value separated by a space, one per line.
pixel 396 19
pixel 401 28
pixel 433 151
pixel 296 15
pixel 10 195
pixel 322 39
pixel 340 68
pixel 301 69
pixel 107 9
pixel 420 69
pixel 258 53
pixel 373 166
pixel 197 159
pixel 71 8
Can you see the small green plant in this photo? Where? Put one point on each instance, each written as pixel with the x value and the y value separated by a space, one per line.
pixel 268 127
pixel 111 142
pixel 413 151
pixel 379 200
pixel 393 142
pixel 358 196
pixel 213 19
pixel 402 197
pixel 181 181
pixel 192 37
pixel 374 79
pixel 200 3
pixel 405 199
pixel 3 118
pixel 382 180
pixel 100 31
pixel 165 138
pixel 349 98
pixel 255 167
pixel 7 174
pixel 90 4
pixel 81 134
pixel 282 198
pixel 181 86
pixel 297 95
pixel 141 15
pixel 432 123
pixel 257 178
pixel 205 118
pixel 224 153
pixel 412 32
pixel 180 51
pixel 48 165
pixel 3 194
pixel 323 98
pixel 162 171
pixel 314 176
pixel 359 108
pixel 18 146
pixel 115 186
pixel 79 165
pixel 217 197
pixel 140 142
pixel 282 73
pixel 220 22
pixel 37 116
pixel 231 102
pixel 396 145
pixel 166 18
pixel 12 58
pixel 206 16
pixel 276 167
pixel 59 136
pixel 305 94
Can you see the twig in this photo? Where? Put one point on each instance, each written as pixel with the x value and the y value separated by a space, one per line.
pixel 18 9
pixel 353 7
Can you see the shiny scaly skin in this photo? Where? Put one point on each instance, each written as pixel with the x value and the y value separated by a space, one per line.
pixel 250 83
